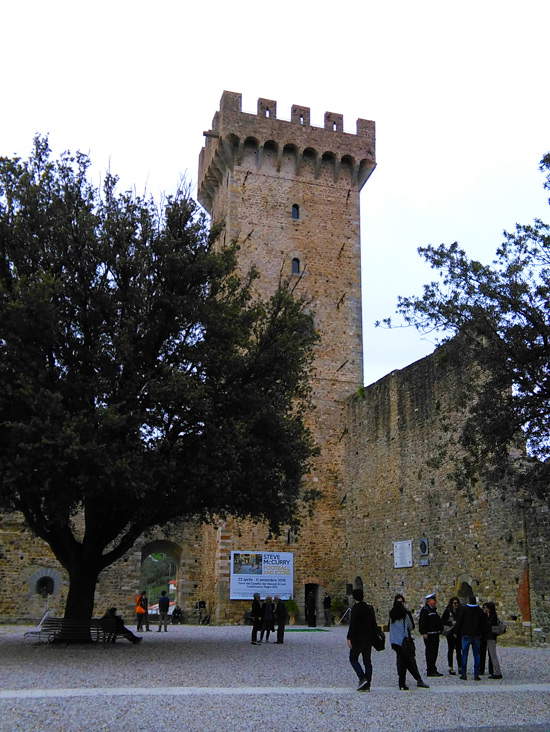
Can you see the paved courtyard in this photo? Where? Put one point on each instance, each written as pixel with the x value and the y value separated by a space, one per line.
pixel 212 678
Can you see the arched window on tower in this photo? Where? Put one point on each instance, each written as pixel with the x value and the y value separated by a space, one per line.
pixel 295 267
pixel 295 211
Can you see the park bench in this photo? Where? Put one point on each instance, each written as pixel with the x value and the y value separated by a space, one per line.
pixel 66 630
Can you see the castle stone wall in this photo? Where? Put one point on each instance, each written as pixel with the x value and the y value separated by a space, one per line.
pixel 476 538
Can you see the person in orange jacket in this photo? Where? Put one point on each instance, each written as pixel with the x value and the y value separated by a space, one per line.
pixel 142 612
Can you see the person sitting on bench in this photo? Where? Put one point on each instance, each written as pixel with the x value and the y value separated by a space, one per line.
pixel 116 625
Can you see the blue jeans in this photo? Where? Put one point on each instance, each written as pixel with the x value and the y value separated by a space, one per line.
pixel 475 642
pixel 354 654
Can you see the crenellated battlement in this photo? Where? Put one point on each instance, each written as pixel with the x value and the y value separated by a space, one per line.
pixel 292 148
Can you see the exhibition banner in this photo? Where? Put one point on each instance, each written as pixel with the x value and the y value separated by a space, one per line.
pixel 269 573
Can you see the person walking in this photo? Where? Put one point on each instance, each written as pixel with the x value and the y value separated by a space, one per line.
pixel 494 629
pixel 449 618
pixel 361 631
pixel 256 617
pixel 471 626
pixel 327 609
pixel 281 616
pixel 401 627
pixel 142 612
pixel 164 606
pixel 430 626
pixel 268 619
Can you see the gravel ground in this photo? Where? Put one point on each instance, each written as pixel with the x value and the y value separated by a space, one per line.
pixel 211 678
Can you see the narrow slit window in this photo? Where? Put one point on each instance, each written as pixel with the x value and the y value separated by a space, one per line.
pixel 334 126
pixel 301 119
pixel 295 266
pixel 267 113
pixel 295 211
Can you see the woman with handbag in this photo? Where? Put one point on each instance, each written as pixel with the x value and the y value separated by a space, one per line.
pixel 401 627
pixel 454 643
pixel 495 627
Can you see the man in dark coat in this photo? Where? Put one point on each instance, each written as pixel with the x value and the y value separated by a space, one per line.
pixel 471 625
pixel 281 617
pixel 430 626
pixel 256 617
pixel 361 631
pixel 164 607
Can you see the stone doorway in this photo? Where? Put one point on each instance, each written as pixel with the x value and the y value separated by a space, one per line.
pixel 160 570
pixel 311 603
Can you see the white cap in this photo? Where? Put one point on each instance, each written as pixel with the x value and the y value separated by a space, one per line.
pixel 429 597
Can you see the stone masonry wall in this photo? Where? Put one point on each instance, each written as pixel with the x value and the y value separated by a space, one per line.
pixel 475 537
pixel 254 170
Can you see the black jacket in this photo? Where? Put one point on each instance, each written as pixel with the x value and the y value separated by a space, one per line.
pixel 471 621
pixel 256 611
pixel 281 614
pixel 449 617
pixel 362 624
pixel 429 621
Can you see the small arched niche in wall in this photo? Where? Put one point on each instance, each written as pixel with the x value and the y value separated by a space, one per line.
pixel 44 582
pixel 44 586
pixel 295 266
pixel 295 211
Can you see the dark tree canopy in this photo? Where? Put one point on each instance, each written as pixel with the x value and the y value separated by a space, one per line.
pixel 141 380
pixel 498 314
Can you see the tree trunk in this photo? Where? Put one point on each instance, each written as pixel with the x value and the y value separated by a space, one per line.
pixel 80 600
pixel 79 606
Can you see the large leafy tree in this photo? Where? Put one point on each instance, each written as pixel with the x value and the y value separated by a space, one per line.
pixel 141 380
pixel 497 316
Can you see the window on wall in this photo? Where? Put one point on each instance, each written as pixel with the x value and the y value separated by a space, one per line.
pixel 295 211
pixel 295 267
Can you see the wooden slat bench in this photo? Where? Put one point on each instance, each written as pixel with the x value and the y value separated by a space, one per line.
pixel 66 630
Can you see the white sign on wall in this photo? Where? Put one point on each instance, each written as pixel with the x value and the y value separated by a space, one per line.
pixel 269 573
pixel 402 554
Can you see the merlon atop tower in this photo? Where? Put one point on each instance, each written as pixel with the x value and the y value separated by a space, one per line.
pixel 328 153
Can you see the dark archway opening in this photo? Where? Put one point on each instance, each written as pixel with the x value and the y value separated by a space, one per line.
pixel 160 562
pixel 464 592
pixel 310 603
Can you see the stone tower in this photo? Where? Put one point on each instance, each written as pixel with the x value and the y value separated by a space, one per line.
pixel 289 194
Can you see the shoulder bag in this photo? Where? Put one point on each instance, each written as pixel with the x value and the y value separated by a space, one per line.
pixel 379 639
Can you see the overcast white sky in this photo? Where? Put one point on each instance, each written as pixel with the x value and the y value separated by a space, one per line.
pixel 459 93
